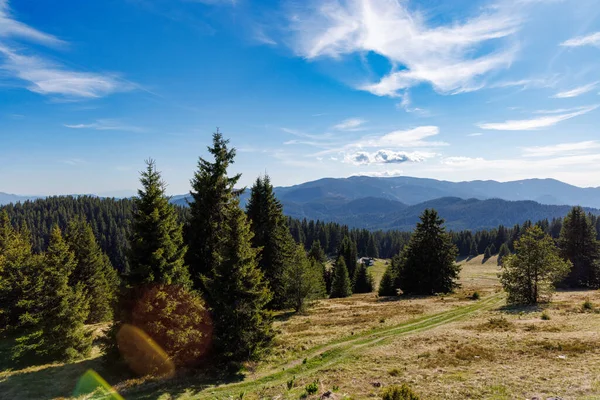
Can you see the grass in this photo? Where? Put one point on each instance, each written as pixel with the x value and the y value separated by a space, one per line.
pixel 446 347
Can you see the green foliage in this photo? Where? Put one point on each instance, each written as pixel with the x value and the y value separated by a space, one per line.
pixel 545 316
pixel 428 262
pixel 238 292
pixel 587 305
pixel 317 253
pixel 578 244
pixel 52 324
pixel 473 252
pixel 475 296
pixel 312 387
pixel 363 280
pixel 349 251
pixel 387 285
pixel 93 271
pixel 341 285
pixel 157 249
pixel 212 191
pixel 504 251
pixel 291 383
pixel 302 280
pixel 372 250
pixel 395 392
pixel 487 254
pixel 272 236
pixel 529 275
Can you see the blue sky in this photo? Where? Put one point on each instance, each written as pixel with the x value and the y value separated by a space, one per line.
pixel 455 90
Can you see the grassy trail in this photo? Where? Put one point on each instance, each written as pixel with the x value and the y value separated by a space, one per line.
pixel 325 356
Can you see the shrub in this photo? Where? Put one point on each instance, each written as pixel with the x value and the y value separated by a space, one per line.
pixel 545 316
pixel 587 305
pixel 395 372
pixel 312 387
pixel 475 296
pixel 496 324
pixel 399 393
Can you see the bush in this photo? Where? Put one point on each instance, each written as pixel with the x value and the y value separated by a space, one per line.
pixel 475 296
pixel 395 372
pixel 399 393
pixel 587 305
pixel 545 316
pixel 312 388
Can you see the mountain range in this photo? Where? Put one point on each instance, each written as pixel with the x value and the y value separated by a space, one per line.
pixel 395 203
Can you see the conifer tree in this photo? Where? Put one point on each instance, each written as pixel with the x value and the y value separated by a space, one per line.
pixel 473 252
pixel 53 322
pixel 16 273
pixel 387 285
pixel 157 248
pixel 487 254
pixel 363 280
pixel 212 191
pixel 504 251
pixel 272 236
pixel 93 270
pixel 578 244
pixel 341 285
pixel 237 291
pixel 303 280
pixel 372 250
pixel 428 261
pixel 350 253
pixel 317 256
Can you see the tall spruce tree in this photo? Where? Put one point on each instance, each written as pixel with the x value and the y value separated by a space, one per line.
pixel 55 315
pixel 157 248
pixel 93 270
pixel 16 271
pixel 272 236
pixel 212 191
pixel 578 244
pixel 341 286
pixel 302 280
pixel 387 285
pixel 237 291
pixel 317 256
pixel 350 253
pixel 504 251
pixel 428 261
pixel 363 280
pixel 372 250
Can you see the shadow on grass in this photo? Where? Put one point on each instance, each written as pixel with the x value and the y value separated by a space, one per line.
pixel 521 309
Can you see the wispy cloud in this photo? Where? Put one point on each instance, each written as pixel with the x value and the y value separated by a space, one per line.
pixel 406 103
pixel 592 39
pixel 106 125
pixel 386 157
pixel 578 91
pixel 563 149
pixel 535 123
pixel 73 161
pixel 381 174
pixel 440 55
pixel 349 124
pixel 416 137
pixel 475 134
pixel 46 77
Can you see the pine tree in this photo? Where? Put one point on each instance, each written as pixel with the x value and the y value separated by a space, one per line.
pixel 237 291
pixel 341 285
pixel 372 250
pixel 578 244
pixel 428 261
pixel 316 252
pixel 363 280
pixel 212 191
pixel 473 252
pixel 504 251
pixel 350 253
pixel 157 249
pixel 387 285
pixel 93 271
pixel 493 249
pixel 271 235
pixel 529 275
pixel 487 253
pixel 53 322
pixel 303 280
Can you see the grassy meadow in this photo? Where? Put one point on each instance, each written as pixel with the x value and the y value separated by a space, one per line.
pixel 444 347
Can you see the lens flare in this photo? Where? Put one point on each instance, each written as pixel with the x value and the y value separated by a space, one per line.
pixel 92 384
pixel 142 354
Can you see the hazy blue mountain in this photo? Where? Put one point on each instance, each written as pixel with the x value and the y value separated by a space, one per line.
pixel 7 198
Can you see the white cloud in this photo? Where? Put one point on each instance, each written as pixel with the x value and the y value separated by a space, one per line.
pixel 349 124
pixel 403 138
pixel 386 157
pixel 565 149
pixel 449 57
pixel 593 39
pixel 535 123
pixel 46 77
pixel 578 91
pixel 382 174
pixel 73 161
pixel 475 134
pixel 106 125
pixel 406 102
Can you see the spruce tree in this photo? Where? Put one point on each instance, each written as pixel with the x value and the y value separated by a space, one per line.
pixel 387 285
pixel 340 285
pixel 54 320
pixel 473 252
pixel 271 235
pixel 317 253
pixel 211 192
pixel 363 280
pixel 504 251
pixel 350 253
pixel 93 271
pixel 578 244
pixel 428 261
pixel 372 250
pixel 487 253
pixel 237 291
pixel 303 280
pixel 157 248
